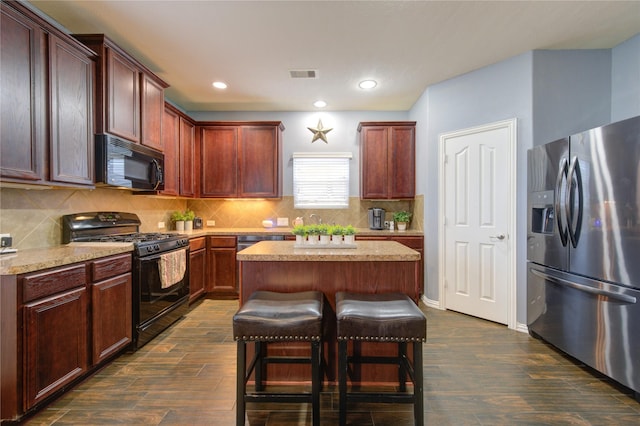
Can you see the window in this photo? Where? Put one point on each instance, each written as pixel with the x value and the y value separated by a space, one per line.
pixel 321 180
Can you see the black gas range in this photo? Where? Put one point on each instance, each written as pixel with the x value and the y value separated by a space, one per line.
pixel 160 275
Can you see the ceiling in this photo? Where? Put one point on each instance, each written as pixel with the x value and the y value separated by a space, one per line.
pixel 405 46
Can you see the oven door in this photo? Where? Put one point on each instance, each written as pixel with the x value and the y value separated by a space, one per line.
pixel 155 295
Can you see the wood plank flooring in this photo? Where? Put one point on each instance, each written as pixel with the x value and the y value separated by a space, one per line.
pixel 476 373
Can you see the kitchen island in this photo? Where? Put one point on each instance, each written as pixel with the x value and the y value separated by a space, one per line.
pixel 370 267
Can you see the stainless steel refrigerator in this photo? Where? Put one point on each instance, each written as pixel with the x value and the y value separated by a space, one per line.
pixel 583 248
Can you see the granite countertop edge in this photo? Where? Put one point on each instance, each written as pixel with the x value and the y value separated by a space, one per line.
pixel 36 259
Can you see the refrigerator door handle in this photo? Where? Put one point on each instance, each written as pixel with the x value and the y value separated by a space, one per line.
pixel 574 169
pixel 616 296
pixel 561 230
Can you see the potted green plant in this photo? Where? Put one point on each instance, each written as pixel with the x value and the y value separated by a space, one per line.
pixel 349 233
pixel 189 215
pixel 313 232
pixel 300 231
pixel 402 219
pixel 336 234
pixel 325 237
pixel 179 218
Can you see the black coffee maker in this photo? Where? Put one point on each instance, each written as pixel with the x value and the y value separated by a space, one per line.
pixel 376 218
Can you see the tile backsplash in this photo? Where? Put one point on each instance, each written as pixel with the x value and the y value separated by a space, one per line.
pixel 33 217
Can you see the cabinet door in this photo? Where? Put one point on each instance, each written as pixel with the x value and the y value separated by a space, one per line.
pixel 197 274
pixel 152 110
pixel 374 151
pixel 123 94
pixel 55 343
pixel 401 155
pixel 222 268
pixel 111 316
pixel 22 85
pixel 258 162
pixel 219 159
pixel 71 88
pixel 187 158
pixel 171 137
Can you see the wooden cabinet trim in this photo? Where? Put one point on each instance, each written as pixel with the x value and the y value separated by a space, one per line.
pixel 46 283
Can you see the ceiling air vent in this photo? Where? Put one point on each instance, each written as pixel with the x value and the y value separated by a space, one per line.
pixel 303 73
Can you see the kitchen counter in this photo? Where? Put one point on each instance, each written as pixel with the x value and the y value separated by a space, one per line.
pixel 31 260
pixel 286 251
pixel 287 231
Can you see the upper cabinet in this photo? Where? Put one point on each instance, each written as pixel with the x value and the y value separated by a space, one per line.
pixel 241 160
pixel 129 97
pixel 178 133
pixel 46 81
pixel 387 155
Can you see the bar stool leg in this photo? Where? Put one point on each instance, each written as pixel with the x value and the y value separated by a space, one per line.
pixel 241 368
pixel 342 380
pixel 402 370
pixel 316 379
pixel 418 384
pixel 261 349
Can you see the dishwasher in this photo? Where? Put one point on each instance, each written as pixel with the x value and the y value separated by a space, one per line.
pixel 245 241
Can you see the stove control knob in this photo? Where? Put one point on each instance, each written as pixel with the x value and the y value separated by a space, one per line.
pixel 156 247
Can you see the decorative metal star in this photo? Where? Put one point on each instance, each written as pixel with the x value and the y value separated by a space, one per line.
pixel 319 132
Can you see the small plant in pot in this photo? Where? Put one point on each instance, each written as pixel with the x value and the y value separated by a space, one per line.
pixel 189 215
pixel 324 233
pixel 349 233
pixel 402 219
pixel 313 231
pixel 179 218
pixel 336 234
pixel 300 231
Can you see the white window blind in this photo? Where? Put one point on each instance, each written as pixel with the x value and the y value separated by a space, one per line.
pixel 321 180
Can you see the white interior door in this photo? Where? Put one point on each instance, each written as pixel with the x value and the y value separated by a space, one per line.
pixel 476 228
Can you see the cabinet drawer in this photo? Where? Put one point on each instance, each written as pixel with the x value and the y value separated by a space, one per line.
pixel 197 243
pixel 42 284
pixel 413 242
pixel 222 241
pixel 110 267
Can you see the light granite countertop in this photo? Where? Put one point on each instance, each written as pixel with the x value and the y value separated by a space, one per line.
pixel 31 260
pixel 287 251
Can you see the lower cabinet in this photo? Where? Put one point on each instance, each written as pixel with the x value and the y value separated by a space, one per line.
pixel 55 331
pixel 414 242
pixel 111 311
pixel 197 267
pixel 221 266
pixel 73 318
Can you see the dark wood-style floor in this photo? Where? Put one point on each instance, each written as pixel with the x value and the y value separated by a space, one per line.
pixel 476 373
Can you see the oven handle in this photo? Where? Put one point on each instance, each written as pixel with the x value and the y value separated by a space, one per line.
pixel 156 256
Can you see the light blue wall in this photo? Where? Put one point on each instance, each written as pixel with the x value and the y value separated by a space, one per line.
pixel 571 92
pixel 550 93
pixel 625 80
pixel 297 138
pixel 495 93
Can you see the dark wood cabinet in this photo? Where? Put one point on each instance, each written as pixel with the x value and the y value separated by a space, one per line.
pixel 47 102
pixel 197 267
pixel 171 142
pixel 414 242
pixel 152 111
pixel 187 158
pixel 111 314
pixel 241 160
pixel 129 97
pixel 55 331
pixel 221 266
pixel 387 160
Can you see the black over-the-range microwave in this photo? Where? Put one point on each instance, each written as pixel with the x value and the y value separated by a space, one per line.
pixel 122 163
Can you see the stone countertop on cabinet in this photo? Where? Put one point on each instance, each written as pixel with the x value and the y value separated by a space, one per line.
pixel 289 251
pixel 31 260
pixel 360 232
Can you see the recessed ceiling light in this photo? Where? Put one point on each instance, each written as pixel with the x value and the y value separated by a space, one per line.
pixel 319 104
pixel 368 84
pixel 219 85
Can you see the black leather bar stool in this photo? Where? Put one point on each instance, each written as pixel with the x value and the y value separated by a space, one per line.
pixel 269 317
pixel 387 318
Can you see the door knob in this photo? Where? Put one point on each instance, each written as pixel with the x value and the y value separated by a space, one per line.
pixel 499 237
